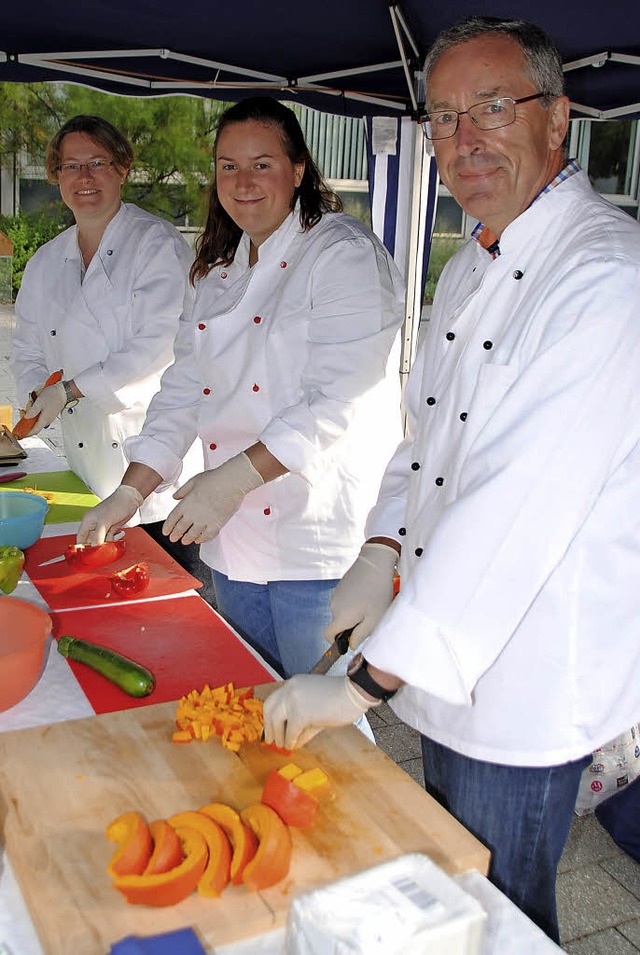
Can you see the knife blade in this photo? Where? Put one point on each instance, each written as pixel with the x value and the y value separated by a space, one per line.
pixel 13 476
pixel 337 649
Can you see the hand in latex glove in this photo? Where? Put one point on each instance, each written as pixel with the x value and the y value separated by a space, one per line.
pixel 104 520
pixel 306 704
pixel 208 500
pixel 364 593
pixel 47 406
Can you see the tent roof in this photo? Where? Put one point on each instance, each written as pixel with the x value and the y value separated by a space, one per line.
pixel 295 50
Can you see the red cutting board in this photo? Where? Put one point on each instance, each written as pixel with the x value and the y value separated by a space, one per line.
pixel 181 640
pixel 64 588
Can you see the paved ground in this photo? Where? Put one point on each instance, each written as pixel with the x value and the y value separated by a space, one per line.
pixel 598 884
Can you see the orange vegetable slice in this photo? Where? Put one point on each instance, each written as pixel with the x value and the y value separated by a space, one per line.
pixel 271 862
pixel 216 875
pixel 294 805
pixel 135 844
pixel 167 848
pixel 169 888
pixel 243 840
pixel 22 427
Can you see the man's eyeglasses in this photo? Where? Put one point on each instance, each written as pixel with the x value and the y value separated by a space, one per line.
pixel 492 114
pixel 94 166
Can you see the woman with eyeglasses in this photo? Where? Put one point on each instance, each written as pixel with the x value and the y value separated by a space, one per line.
pixel 286 370
pixel 101 302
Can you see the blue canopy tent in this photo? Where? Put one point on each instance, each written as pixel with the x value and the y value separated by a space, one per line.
pixel 354 57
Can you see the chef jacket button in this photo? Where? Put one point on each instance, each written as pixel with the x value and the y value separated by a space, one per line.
pixel 450 336
pixel 257 319
pixel 419 551
pixel 202 326
pixel 223 275
pixel 283 265
pixel 256 387
pixel 206 391
pixel 52 332
pixel 212 446
pixel 463 416
pixel 518 274
pixel 415 466
pixel 439 482
pixel 109 251
pixel 69 410
pixel 267 511
pixel 431 401
pixel 114 444
pixel 402 531
pixel 487 345
pixel 80 444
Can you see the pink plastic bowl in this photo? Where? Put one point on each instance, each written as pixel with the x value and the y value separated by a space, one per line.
pixel 24 629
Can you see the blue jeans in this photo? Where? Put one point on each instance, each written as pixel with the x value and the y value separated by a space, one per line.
pixel 284 620
pixel 521 814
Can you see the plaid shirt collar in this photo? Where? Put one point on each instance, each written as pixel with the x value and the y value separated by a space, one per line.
pixel 487 239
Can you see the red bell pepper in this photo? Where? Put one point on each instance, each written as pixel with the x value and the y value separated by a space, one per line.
pixel 133 580
pixel 85 557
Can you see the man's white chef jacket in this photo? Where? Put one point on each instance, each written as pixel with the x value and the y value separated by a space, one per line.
pixel 112 333
pixel 516 495
pixel 299 352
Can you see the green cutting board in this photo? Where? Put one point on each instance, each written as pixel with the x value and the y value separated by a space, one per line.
pixel 70 496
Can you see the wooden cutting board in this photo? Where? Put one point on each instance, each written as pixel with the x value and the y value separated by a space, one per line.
pixel 60 785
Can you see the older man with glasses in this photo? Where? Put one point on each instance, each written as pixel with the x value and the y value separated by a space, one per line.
pixel 514 643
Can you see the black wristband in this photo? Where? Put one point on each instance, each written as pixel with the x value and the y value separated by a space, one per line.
pixel 361 677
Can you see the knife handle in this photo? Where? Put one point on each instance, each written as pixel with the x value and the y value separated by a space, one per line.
pixel 342 640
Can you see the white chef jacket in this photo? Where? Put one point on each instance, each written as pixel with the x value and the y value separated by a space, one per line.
pixel 517 490
pixel 297 352
pixel 112 333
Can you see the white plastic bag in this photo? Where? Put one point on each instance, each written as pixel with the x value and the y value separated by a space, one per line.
pixel 613 767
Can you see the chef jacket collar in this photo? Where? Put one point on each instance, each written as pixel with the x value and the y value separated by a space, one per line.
pixel 273 248
pixel 488 239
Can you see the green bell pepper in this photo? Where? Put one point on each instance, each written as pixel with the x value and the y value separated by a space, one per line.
pixel 11 564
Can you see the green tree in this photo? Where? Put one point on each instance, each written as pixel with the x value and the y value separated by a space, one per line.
pixel 171 136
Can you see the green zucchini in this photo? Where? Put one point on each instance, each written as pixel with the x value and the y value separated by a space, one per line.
pixel 130 676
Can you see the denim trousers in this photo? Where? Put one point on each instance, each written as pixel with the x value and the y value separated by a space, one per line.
pixel 521 814
pixel 284 619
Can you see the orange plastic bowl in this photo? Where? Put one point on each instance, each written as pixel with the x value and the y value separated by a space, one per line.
pixel 24 629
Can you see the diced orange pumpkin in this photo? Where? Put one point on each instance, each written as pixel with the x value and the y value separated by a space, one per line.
pixel 271 862
pixel 135 844
pixel 216 876
pixel 167 848
pixel 311 780
pixel 169 888
pixel 233 715
pixel 290 771
pixel 243 840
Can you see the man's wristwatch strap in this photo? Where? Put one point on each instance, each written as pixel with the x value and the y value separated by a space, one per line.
pixel 361 677
pixel 72 401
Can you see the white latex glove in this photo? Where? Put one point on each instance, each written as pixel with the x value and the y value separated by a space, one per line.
pixel 104 520
pixel 364 593
pixel 47 406
pixel 208 500
pixel 307 704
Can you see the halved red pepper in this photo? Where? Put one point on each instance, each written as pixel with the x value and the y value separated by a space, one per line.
pixel 86 557
pixel 133 580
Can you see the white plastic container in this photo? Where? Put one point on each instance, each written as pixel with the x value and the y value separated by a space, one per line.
pixel 405 907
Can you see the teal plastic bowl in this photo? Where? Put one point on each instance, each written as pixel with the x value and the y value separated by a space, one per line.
pixel 21 518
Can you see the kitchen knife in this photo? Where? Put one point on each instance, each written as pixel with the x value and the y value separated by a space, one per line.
pixel 339 647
